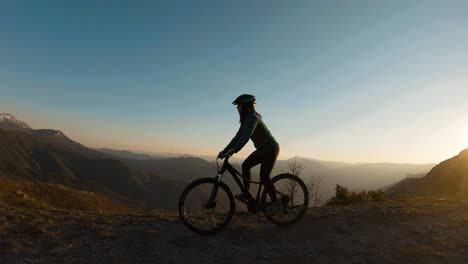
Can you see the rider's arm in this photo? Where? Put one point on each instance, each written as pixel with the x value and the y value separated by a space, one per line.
pixel 245 132
pixel 233 141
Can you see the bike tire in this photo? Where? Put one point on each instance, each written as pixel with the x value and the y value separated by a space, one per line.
pixel 210 182
pixel 305 199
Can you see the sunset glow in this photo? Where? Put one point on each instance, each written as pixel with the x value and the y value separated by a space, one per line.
pixel 362 81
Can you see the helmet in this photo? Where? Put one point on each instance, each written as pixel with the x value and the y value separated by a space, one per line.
pixel 244 98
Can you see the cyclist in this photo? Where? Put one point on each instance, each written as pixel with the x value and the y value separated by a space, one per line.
pixel 266 153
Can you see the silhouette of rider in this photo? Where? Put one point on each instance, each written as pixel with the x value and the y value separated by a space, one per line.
pixel 266 153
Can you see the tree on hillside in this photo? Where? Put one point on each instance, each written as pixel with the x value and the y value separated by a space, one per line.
pixel 313 184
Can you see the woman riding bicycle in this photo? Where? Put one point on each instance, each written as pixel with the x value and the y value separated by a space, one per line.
pixel 266 153
pixel 207 205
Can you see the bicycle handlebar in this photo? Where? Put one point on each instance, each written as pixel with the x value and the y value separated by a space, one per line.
pixel 226 159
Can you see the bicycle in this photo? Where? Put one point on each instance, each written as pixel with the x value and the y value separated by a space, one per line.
pixel 207 205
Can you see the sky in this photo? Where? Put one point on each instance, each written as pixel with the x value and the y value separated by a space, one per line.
pixel 356 81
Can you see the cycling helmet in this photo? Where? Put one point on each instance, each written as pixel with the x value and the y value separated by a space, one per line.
pixel 244 98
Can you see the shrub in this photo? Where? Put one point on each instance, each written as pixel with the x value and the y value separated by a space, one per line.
pixel 344 197
pixel 378 196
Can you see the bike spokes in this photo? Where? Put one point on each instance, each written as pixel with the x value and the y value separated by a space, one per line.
pixel 292 193
pixel 202 215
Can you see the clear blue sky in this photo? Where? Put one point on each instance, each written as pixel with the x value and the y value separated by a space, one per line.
pixel 337 80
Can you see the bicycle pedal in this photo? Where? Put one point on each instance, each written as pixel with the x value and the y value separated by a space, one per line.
pixel 242 198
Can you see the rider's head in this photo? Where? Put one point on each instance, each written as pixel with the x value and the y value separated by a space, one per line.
pixel 245 104
pixel 244 98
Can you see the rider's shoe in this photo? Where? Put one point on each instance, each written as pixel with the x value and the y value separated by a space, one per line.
pixel 275 208
pixel 242 197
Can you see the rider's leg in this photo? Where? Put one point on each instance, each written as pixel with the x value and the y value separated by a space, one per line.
pixel 252 160
pixel 268 161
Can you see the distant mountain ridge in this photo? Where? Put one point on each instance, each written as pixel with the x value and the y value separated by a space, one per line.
pixel 353 175
pixel 49 155
pixel 125 154
pixel 449 178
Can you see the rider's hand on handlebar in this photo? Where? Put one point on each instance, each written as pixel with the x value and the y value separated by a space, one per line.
pixel 226 154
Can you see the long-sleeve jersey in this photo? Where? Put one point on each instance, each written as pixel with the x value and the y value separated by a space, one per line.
pixel 253 128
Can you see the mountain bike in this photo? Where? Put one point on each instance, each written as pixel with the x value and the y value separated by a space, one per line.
pixel 207 205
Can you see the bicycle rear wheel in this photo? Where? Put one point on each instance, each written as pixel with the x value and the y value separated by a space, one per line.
pixel 293 194
pixel 198 214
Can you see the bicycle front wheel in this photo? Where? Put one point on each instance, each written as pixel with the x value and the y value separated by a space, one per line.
pixel 201 216
pixel 293 194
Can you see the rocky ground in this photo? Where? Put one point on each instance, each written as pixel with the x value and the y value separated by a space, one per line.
pixel 416 231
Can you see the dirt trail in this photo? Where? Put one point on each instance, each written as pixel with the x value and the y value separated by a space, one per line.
pixel 418 231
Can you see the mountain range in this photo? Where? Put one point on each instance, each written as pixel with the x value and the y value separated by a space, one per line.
pixel 353 175
pixel 50 156
pixel 146 182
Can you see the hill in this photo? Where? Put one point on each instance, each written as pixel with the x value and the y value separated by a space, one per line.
pixel 355 176
pixel 449 178
pixel 59 160
pixel 48 196
pixel 50 156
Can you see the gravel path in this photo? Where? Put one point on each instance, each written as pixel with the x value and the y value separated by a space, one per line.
pixel 417 231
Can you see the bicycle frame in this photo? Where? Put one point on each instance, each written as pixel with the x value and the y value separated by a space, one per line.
pixel 237 177
pixel 197 219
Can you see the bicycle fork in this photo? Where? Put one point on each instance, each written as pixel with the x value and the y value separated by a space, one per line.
pixel 212 201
